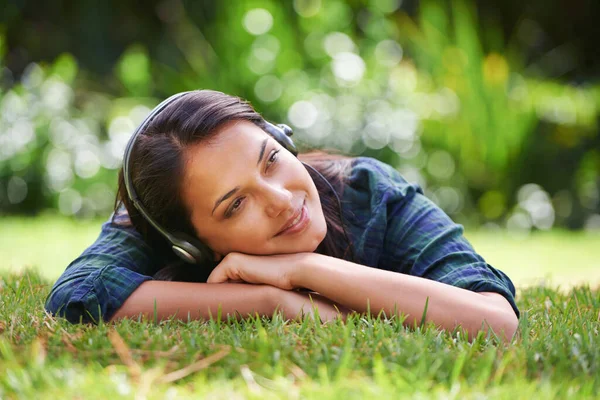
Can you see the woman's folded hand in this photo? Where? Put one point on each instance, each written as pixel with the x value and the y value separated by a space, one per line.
pixel 276 270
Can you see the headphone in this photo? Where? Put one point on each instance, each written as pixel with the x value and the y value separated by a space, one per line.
pixel 185 246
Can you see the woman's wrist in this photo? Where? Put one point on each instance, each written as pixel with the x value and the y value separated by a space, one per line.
pixel 305 270
pixel 276 299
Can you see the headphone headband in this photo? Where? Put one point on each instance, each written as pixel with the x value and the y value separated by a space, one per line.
pixel 128 150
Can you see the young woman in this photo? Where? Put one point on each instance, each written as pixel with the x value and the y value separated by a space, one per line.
pixel 206 178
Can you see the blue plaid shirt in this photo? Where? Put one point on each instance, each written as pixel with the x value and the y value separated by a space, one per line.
pixel 392 225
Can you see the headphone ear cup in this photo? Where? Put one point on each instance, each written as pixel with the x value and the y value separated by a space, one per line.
pixel 191 249
pixel 282 134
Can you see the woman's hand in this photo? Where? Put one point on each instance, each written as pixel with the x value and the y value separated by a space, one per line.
pixel 276 270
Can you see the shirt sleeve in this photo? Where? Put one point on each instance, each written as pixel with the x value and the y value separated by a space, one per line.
pixel 425 242
pixel 419 239
pixel 97 283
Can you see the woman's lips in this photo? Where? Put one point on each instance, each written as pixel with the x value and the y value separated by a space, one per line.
pixel 300 225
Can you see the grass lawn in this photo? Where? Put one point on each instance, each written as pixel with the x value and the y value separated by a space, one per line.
pixel 556 353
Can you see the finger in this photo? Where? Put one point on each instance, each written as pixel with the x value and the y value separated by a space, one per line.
pixel 216 276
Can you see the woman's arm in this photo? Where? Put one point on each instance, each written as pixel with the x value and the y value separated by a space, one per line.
pixel 95 284
pixel 360 288
pixel 185 300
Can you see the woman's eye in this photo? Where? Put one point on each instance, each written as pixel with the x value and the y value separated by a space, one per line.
pixel 234 206
pixel 273 158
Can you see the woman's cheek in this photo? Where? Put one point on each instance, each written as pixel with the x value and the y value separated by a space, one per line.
pixel 255 217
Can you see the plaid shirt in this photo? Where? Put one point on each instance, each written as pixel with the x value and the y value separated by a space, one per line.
pixel 392 225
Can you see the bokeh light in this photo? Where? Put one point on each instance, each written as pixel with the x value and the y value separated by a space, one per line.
pixel 468 119
pixel 268 88
pixel 592 223
pixel 258 21
pixel 303 114
pixel 440 164
pixel 387 6
pixel 533 199
pixel 16 190
pixel 69 201
pixel 348 68
pixel 388 53
pixel 307 8
pixel 338 42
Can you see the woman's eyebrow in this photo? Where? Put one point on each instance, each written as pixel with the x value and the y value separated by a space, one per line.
pixel 263 145
pixel 227 195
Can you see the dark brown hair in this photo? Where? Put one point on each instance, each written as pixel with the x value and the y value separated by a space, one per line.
pixel 156 168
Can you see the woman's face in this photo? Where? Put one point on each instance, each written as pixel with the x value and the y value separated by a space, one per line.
pixel 242 189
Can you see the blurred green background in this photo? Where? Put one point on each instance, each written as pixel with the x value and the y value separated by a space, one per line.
pixel 493 107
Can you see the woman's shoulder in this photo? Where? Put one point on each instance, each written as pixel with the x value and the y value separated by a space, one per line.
pixel 373 188
pixel 119 226
pixel 368 174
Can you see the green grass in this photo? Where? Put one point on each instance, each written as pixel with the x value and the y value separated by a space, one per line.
pixel 556 353
pixel 559 259
pixel 47 242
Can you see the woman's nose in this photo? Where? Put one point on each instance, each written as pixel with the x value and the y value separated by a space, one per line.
pixel 278 200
